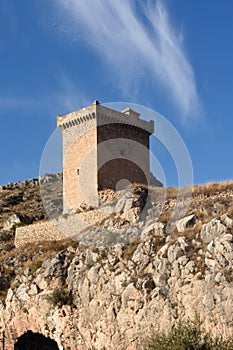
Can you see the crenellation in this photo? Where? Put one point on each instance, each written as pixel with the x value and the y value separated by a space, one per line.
pixel 76 121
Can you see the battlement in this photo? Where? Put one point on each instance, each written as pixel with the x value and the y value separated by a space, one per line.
pixel 104 115
pixel 76 117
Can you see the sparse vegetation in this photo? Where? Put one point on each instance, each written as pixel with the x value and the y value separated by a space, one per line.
pixel 203 201
pixel 5 236
pixel 228 274
pixel 24 199
pixel 12 202
pixel 36 265
pixel 6 242
pixel 29 257
pixel 189 335
pixel 61 296
pixel 5 281
pixel 230 211
pixel 130 248
pixel 212 188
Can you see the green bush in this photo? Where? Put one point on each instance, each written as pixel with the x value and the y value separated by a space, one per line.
pixel 61 296
pixel 188 335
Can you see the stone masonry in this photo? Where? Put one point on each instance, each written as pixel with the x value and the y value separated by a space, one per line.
pixel 102 148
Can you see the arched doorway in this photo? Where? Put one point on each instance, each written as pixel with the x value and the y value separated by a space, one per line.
pixel 35 341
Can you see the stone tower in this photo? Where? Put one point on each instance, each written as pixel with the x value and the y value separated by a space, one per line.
pixel 102 148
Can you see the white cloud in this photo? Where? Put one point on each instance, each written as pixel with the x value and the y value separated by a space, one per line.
pixel 135 41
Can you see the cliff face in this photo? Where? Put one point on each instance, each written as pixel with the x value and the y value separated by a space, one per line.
pixel 116 295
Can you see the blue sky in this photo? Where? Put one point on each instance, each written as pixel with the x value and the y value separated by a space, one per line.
pixel 173 56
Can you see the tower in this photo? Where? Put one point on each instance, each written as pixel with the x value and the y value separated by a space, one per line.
pixel 102 148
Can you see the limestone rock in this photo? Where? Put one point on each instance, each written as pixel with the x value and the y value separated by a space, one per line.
pixel 156 228
pixel 226 220
pixel 188 221
pixel 15 220
pixel 41 282
pixel 119 281
pixel 211 230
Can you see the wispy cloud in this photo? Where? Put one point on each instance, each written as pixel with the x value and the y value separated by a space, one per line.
pixel 136 39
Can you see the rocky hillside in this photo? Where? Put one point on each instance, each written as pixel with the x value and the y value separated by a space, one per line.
pixel 115 295
pixel 21 204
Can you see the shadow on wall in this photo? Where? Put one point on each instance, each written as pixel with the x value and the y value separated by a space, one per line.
pixel 35 341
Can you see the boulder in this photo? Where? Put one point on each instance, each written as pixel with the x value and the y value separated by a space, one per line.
pixel 184 223
pixel 226 220
pixel 11 222
pixel 211 230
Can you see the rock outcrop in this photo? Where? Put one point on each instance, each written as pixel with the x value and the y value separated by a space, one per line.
pixel 115 295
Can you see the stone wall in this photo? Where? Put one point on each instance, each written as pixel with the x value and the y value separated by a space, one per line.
pixel 79 160
pixel 42 231
pixel 85 226
pixel 80 172
pixel 62 228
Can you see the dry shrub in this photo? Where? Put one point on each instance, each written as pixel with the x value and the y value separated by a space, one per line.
pixel 130 248
pixel 61 296
pixel 29 254
pixel 213 188
pixel 230 211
